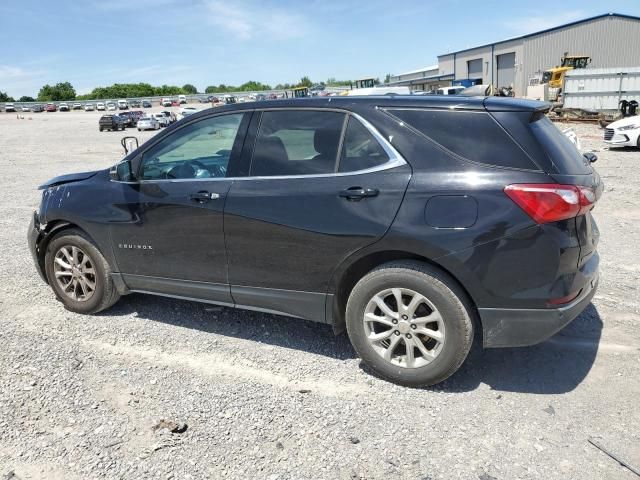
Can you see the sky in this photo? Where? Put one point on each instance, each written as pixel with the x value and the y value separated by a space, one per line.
pixel 94 43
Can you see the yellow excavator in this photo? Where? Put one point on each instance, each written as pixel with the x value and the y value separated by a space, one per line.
pixel 555 76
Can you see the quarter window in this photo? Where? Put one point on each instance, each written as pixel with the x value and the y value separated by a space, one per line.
pixel 199 150
pixel 297 142
pixel 360 149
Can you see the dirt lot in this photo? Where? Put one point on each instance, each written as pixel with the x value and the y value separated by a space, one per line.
pixel 277 398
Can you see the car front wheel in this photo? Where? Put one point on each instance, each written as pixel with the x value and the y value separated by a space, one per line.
pixel 78 273
pixel 410 323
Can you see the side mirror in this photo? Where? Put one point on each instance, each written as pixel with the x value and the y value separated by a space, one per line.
pixel 122 172
pixel 590 156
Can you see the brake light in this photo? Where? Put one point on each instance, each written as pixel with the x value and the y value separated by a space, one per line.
pixel 551 202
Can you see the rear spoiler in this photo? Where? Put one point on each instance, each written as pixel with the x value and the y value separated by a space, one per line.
pixel 508 104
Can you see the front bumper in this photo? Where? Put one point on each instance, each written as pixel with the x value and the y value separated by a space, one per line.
pixel 34 235
pixel 626 138
pixel 504 327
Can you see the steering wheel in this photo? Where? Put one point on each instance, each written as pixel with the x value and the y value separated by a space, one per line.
pixel 182 170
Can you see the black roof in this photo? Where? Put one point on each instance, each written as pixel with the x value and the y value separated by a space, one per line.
pixel 449 102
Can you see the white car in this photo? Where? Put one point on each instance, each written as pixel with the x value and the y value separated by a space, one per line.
pixel 123 105
pixel 9 107
pixel 100 107
pixel 166 102
pixel 623 133
pixel 111 106
pixel 182 99
pixel 89 107
pixel 450 90
pixel 63 107
pixel 26 108
pixel 162 119
pixel 186 111
pixel 148 123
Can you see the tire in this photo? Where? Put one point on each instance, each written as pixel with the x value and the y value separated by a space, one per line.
pixel 450 330
pixel 139 130
pixel 100 128
pixel 104 292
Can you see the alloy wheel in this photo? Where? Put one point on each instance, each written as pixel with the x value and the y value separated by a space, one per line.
pixel 404 327
pixel 74 273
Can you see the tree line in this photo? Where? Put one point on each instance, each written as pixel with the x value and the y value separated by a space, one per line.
pixel 64 91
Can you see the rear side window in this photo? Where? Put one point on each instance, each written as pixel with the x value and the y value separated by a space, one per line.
pixel 564 155
pixel 301 142
pixel 360 149
pixel 475 136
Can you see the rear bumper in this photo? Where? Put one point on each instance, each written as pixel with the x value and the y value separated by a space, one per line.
pixel 504 327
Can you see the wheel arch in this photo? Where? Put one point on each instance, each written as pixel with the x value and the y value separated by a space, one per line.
pixel 350 275
pixel 54 227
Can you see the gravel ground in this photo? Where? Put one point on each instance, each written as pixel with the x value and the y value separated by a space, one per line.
pixel 270 397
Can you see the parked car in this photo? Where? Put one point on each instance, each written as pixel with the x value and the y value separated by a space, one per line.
pixel 63 107
pixel 25 108
pixel 148 122
pixel 128 119
pixel 77 106
pixel 100 107
pixel 166 102
pixel 182 99
pixel 623 133
pixel 89 107
pixel 111 106
pixel 403 242
pixel 37 108
pixel 134 103
pixel 111 122
pixel 186 111
pixel 450 90
pixel 9 107
pixel 123 105
pixel 51 107
pixel 162 119
pixel 146 104
pixel 170 115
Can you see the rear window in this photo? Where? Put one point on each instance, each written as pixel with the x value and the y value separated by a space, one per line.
pixel 565 156
pixel 475 136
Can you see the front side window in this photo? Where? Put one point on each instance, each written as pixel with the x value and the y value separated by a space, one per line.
pixel 360 149
pixel 199 150
pixel 297 142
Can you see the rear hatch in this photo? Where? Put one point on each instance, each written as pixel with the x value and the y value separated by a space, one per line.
pixel 554 154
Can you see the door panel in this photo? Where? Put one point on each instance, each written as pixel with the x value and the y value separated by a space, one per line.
pixel 291 233
pixel 166 233
pixel 168 227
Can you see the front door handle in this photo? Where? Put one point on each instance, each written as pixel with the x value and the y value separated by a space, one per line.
pixel 204 196
pixel 356 194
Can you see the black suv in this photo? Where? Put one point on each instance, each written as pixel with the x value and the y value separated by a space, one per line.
pixel 111 122
pixel 411 221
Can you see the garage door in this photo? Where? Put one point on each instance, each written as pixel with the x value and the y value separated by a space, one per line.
pixel 506 69
pixel 474 69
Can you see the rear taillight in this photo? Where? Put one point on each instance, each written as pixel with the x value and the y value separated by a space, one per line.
pixel 551 202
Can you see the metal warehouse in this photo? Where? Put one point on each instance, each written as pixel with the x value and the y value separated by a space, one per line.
pixel 611 40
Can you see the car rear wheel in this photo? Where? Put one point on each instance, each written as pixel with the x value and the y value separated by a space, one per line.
pixel 79 274
pixel 410 323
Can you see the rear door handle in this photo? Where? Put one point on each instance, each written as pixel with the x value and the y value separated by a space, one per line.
pixel 204 196
pixel 358 193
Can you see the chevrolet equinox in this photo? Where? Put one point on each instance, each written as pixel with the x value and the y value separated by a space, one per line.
pixel 410 221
